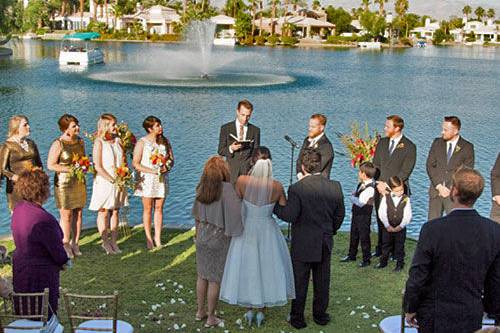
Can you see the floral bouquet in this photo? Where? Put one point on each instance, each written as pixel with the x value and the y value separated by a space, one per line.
pixel 80 166
pixel 160 160
pixel 124 178
pixel 127 138
pixel 360 146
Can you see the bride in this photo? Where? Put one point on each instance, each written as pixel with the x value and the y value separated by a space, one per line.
pixel 258 271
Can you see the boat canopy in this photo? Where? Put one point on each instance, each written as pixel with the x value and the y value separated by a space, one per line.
pixel 82 36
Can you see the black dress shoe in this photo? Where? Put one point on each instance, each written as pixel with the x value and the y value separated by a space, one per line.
pixel 347 259
pixel 364 263
pixel 298 324
pixel 324 320
pixel 380 266
pixel 399 267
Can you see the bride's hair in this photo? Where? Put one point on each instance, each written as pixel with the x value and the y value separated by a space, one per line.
pixel 261 153
pixel 209 188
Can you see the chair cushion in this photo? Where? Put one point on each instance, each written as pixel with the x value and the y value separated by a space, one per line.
pixel 393 325
pixel 30 323
pixel 121 326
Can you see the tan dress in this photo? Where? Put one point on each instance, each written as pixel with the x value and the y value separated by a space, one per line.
pixel 69 193
pixel 219 221
pixel 14 160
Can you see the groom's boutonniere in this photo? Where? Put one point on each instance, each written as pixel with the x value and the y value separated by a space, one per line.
pixel 315 146
pixel 457 148
pixel 401 145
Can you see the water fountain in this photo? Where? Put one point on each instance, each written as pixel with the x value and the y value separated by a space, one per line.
pixel 194 64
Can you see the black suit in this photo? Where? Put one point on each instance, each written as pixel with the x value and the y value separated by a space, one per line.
pixel 315 208
pixel 325 149
pixel 440 171
pixel 239 161
pixel 457 261
pixel 400 163
pixel 495 189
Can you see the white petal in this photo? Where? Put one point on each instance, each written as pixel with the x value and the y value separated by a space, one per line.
pixel 352 313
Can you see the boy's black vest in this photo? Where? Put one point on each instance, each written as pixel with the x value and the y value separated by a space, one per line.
pixel 368 207
pixel 395 213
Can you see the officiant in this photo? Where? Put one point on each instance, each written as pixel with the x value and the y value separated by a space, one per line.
pixel 316 139
pixel 238 139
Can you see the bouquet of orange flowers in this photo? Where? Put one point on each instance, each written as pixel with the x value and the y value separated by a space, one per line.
pixel 80 166
pixel 361 147
pixel 160 160
pixel 124 178
pixel 127 138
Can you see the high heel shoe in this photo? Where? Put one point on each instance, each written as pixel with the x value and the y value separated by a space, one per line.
pixel 69 250
pixel 107 248
pixel 259 318
pixel 249 317
pixel 76 249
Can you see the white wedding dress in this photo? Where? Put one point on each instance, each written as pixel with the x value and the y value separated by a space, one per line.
pixel 258 271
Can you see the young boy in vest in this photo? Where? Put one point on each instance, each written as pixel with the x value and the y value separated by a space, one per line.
pixel 362 206
pixel 395 214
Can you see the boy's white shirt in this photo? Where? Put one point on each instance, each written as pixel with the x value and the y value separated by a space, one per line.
pixel 365 195
pixel 382 211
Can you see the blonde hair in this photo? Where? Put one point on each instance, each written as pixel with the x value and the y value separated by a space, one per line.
pixel 14 123
pixel 104 123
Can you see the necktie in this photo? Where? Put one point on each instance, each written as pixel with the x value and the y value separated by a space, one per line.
pixel 391 147
pixel 242 133
pixel 450 152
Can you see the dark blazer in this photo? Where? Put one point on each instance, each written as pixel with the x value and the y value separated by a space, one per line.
pixel 439 170
pixel 315 208
pixel 495 178
pixel 457 260
pixel 325 149
pixel 400 163
pixel 239 161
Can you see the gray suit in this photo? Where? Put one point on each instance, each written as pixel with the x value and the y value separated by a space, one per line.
pixel 495 189
pixel 440 171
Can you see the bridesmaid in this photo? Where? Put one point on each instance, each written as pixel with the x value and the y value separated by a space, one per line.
pixel 18 154
pixel 152 183
pixel 107 198
pixel 70 193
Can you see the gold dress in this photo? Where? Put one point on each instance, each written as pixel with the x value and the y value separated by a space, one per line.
pixel 69 193
pixel 14 160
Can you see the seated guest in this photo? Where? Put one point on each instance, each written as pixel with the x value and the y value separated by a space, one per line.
pixel 39 254
pixel 362 207
pixel 395 213
pixel 217 212
pixel 455 273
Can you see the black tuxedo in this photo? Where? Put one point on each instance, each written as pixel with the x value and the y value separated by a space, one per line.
pixel 456 263
pixel 440 171
pixel 325 149
pixel 239 161
pixel 400 163
pixel 495 189
pixel 315 208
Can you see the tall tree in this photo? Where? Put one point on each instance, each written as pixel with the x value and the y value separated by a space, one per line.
pixel 401 7
pixel 491 13
pixel 467 10
pixel 316 5
pixel 479 13
pixel 381 6
pixel 366 5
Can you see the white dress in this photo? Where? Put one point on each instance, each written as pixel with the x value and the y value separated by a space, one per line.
pixel 258 271
pixel 106 195
pixel 150 185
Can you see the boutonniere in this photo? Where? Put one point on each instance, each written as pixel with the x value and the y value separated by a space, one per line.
pixel 401 145
pixel 315 146
pixel 406 199
pixel 457 148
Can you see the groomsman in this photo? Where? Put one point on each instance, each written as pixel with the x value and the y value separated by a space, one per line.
pixel 395 155
pixel 495 190
pixel 316 139
pixel 315 208
pixel 238 139
pixel 448 153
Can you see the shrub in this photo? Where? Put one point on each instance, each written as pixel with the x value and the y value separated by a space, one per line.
pixel 42 31
pixel 470 39
pixel 289 41
pixel 248 40
pixel 260 40
pixel 273 40
pixel 340 40
pixel 406 41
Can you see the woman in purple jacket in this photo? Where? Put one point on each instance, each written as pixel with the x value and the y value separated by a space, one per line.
pixel 39 254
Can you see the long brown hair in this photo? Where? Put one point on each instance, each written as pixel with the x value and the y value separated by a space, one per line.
pixel 209 188
pixel 148 123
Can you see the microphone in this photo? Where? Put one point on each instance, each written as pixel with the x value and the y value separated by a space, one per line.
pixel 293 143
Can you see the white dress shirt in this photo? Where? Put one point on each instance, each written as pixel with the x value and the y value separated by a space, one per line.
pixel 245 130
pixel 365 195
pixel 312 142
pixel 382 211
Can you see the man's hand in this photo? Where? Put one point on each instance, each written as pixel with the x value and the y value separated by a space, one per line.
pixel 496 198
pixel 382 187
pixel 397 229
pixel 444 192
pixel 389 228
pixel 235 146
pixel 411 319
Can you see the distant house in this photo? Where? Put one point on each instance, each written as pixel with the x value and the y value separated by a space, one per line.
pixel 427 31
pixel 72 22
pixel 224 30
pixel 154 20
pixel 480 31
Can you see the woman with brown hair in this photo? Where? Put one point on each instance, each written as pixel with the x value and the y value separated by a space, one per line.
pixel 153 159
pixel 18 154
pixel 69 192
pixel 107 197
pixel 217 214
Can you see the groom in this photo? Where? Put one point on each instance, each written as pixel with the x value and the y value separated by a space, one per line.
pixel 315 208
pixel 238 139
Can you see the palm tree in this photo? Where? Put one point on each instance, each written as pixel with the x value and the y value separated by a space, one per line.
pixel 81 13
pixel 491 13
pixel 479 13
pixel 381 3
pixel 366 5
pixel 261 10
pixel 401 7
pixel 316 4
pixel 467 11
pixel 253 6
pixel 273 16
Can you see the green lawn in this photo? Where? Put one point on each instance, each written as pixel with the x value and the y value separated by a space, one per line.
pixel 359 298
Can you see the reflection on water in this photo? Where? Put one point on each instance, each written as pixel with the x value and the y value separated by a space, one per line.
pixel 422 85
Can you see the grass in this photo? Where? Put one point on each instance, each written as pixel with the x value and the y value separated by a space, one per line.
pixel 145 278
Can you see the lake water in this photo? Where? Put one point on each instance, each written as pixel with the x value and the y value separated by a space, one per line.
pixel 422 85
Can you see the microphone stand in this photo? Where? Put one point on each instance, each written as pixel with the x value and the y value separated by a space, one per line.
pixel 293 145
